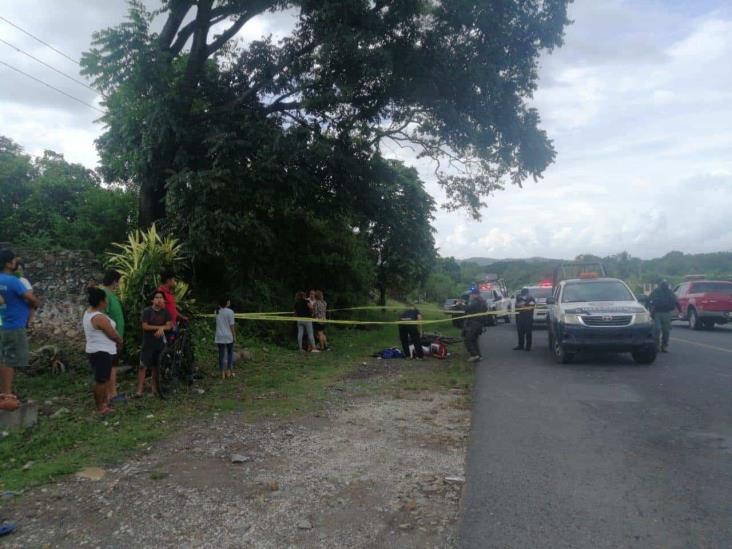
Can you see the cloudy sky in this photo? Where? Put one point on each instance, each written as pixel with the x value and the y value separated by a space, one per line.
pixel 638 103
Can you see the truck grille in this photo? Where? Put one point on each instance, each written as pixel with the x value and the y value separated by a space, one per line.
pixel 607 320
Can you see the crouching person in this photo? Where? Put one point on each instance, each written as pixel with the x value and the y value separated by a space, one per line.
pixel 102 345
pixel 155 322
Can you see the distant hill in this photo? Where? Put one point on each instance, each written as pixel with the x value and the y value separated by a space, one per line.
pixel 485 261
pixel 673 266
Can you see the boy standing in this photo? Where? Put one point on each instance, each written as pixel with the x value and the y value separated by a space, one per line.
pixel 110 285
pixel 155 322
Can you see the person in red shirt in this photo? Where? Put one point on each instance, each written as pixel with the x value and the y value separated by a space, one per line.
pixel 167 283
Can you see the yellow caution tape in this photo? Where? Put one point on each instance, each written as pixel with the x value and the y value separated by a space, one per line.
pixel 271 317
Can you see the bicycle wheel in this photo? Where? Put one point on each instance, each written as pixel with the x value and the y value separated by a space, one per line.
pixel 167 371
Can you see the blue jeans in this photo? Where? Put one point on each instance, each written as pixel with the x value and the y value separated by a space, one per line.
pixel 226 349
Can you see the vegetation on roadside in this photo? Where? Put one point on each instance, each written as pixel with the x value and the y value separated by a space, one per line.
pixel 278 381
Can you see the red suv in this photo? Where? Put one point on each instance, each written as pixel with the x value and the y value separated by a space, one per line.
pixel 705 303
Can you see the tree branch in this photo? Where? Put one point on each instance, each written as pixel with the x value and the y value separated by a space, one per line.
pixel 178 11
pixel 253 10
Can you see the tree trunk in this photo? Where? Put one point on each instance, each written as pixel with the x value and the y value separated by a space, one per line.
pixel 152 201
pixel 382 295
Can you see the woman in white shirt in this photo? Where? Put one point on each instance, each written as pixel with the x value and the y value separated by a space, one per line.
pixel 102 344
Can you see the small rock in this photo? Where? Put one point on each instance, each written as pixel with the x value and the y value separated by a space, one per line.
pixel 409 505
pixel 27 466
pixel 91 473
pixel 239 458
pixel 199 391
pixel 149 416
pixel 404 526
pixel 304 524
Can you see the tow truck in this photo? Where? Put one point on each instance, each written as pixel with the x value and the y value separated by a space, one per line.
pixel 588 311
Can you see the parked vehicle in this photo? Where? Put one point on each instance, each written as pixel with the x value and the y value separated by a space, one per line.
pixel 540 293
pixel 599 314
pixel 495 293
pixel 705 303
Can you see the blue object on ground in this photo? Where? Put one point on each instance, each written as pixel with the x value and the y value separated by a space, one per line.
pixel 7 528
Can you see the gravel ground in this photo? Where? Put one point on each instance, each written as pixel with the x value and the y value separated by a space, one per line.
pixel 375 472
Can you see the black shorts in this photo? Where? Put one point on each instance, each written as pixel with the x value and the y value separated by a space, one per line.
pixel 319 326
pixel 101 364
pixel 150 358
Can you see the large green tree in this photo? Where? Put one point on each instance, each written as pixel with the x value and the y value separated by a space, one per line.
pixel 453 78
pixel 49 202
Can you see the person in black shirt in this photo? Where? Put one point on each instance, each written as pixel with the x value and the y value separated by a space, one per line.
pixel 473 327
pixel 662 304
pixel 410 333
pixel 155 322
pixel 525 304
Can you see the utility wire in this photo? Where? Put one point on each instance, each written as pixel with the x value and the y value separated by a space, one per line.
pixel 39 40
pixel 16 48
pixel 52 87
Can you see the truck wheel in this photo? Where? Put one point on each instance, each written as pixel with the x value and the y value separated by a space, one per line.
pixel 561 356
pixel 644 356
pixel 694 322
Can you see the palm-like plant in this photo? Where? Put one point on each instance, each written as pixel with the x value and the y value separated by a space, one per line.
pixel 140 260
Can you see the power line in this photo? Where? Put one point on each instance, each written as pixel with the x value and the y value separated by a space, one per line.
pixel 52 87
pixel 16 48
pixel 39 40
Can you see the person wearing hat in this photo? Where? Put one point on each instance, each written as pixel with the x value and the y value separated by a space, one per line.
pixel 411 333
pixel 662 303
pixel 17 302
pixel 525 304
pixel 473 327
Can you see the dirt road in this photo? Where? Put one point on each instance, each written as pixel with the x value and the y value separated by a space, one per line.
pixel 373 471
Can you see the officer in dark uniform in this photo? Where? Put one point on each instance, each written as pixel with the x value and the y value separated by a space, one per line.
pixel 410 333
pixel 473 327
pixel 525 304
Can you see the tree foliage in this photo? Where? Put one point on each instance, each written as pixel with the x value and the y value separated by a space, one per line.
pixel 47 202
pixel 452 77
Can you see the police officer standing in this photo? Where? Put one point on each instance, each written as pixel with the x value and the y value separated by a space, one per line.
pixel 410 333
pixel 473 327
pixel 662 303
pixel 525 304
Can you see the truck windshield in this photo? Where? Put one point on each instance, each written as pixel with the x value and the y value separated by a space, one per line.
pixel 712 288
pixel 606 290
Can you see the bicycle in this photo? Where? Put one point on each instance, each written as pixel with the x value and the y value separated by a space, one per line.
pixel 176 368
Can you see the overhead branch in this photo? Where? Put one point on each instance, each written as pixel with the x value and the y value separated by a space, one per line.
pixel 178 11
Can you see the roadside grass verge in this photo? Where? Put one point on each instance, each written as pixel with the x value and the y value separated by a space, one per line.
pixel 278 381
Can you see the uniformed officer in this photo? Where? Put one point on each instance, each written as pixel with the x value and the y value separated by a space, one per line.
pixel 662 304
pixel 410 333
pixel 525 304
pixel 473 327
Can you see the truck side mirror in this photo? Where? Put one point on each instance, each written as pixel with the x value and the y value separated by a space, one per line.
pixel 550 301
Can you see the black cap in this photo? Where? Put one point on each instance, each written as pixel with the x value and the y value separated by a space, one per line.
pixel 6 256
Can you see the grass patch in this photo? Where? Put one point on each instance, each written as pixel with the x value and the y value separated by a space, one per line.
pixel 278 381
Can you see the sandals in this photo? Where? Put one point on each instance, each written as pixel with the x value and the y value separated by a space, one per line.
pixel 105 411
pixel 9 402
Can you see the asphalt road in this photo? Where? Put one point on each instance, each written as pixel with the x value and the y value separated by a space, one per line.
pixel 601 452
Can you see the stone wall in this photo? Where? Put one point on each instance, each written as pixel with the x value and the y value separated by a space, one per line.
pixel 60 279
